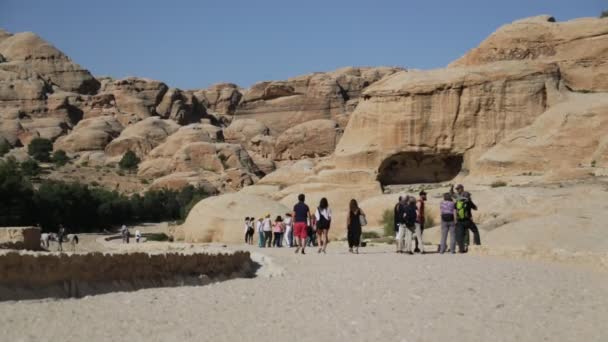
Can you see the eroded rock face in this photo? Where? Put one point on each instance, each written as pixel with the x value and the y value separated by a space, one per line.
pixel 92 134
pixel 281 105
pixel 457 111
pixel 316 138
pixel 142 137
pixel 214 219
pixel 181 107
pixel 30 52
pixel 136 98
pixel 579 47
pixel 568 137
pixel 221 98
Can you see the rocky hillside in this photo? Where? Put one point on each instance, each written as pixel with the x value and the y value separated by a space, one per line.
pixel 224 137
pixel 528 107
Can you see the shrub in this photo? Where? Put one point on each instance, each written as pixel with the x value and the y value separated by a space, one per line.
pixel 370 235
pixel 60 158
pixel 157 237
pixel 498 184
pixel 604 14
pixel 4 148
pixel 30 168
pixel 145 182
pixel 388 222
pixel 593 163
pixel 16 195
pixel 129 161
pixel 40 149
pixel 429 220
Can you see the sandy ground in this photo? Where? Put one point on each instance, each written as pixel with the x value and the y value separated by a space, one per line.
pixel 338 296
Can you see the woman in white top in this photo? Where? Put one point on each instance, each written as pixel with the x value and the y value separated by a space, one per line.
pixel 323 219
pixel 288 230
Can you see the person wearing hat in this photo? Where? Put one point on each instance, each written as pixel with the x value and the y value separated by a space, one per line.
pixel 267 228
pixel 420 222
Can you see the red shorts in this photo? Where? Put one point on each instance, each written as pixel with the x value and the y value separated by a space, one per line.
pixel 299 230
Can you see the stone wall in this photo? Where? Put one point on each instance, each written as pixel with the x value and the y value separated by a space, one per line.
pixel 20 238
pixel 29 275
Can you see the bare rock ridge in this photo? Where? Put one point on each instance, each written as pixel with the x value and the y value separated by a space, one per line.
pixel 231 137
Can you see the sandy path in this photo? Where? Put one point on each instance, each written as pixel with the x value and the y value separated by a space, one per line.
pixel 371 296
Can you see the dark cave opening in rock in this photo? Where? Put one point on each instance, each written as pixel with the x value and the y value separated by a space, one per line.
pixel 418 167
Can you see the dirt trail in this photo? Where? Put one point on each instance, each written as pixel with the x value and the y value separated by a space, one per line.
pixel 372 296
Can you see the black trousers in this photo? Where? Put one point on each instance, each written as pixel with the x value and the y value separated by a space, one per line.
pixel 462 234
pixel 354 237
pixel 267 239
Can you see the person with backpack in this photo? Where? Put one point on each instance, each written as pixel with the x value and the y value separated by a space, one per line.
pixel 448 223
pixel 323 218
pixel 301 216
pixel 410 215
pixel 356 220
pixel 464 222
pixel 400 228
pixel 420 219
pixel 278 230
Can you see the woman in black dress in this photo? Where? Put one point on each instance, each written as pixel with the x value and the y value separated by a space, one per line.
pixel 354 226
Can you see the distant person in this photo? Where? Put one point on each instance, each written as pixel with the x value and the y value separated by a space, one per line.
pixel 464 222
pixel 60 236
pixel 420 220
pixel 124 232
pixel 267 228
pixel 354 226
pixel 260 229
pixel 400 228
pixel 250 231
pixel 447 209
pixel 323 219
pixel 288 230
pixel 410 223
pixel 137 236
pixel 301 217
pixel 278 232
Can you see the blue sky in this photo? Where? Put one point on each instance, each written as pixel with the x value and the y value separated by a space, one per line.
pixel 193 44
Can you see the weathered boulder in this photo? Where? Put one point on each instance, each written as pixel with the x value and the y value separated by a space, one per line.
pixel 433 123
pixel 20 238
pixel 48 128
pixel 316 138
pixel 135 98
pixel 180 180
pixel 142 137
pixel 181 107
pixel 579 47
pixel 185 135
pixel 90 135
pixel 220 218
pixel 220 98
pixel 28 51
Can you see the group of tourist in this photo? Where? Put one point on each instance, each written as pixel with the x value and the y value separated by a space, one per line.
pixel 302 228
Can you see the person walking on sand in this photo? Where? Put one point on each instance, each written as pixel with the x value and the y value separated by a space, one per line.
pixel 267 228
pixel 323 218
pixel 301 216
pixel 420 220
pixel 60 236
pixel 400 228
pixel 278 230
pixel 354 226
pixel 260 229
pixel 464 223
pixel 410 223
pixel 448 223
pixel 288 230
pixel 250 230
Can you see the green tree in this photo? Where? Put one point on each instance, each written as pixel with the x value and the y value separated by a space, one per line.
pixel 129 161
pixel 4 148
pixel 30 168
pixel 16 195
pixel 40 149
pixel 604 14
pixel 60 158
